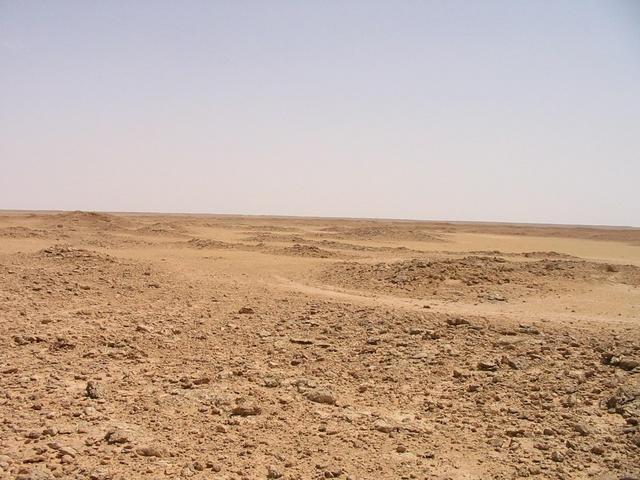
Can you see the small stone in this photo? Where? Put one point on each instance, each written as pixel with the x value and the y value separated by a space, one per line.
pixel 271 382
pixel 149 451
pixel 581 428
pixel 118 436
pixel 187 472
pixel 246 410
pixel 91 412
pixel 597 450
pixel 273 472
pixel 431 335
pixel 72 452
pixel 535 470
pixel 457 321
pixel 35 459
pixel 51 431
pixel 93 390
pixel 99 474
pixel 143 328
pixel 383 426
pixel 628 363
pixel 33 475
pixel 321 396
pixel 557 456
pixel 202 381
pixel 333 473
pixel 510 362
pixel 246 311
pixel 487 366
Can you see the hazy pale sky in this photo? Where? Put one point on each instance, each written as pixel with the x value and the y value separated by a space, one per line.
pixel 461 110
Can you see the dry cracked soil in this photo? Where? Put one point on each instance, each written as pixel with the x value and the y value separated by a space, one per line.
pixel 221 347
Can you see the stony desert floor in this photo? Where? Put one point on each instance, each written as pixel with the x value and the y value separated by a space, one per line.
pixel 162 346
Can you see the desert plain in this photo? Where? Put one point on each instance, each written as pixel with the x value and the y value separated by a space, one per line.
pixel 233 347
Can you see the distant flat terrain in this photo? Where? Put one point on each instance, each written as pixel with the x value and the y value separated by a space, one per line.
pixel 239 347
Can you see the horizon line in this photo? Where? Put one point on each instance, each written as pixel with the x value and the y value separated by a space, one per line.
pixel 329 217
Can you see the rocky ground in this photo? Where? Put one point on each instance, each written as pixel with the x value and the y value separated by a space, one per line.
pixel 485 278
pixel 239 348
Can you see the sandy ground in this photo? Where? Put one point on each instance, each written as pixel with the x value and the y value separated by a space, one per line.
pixel 150 346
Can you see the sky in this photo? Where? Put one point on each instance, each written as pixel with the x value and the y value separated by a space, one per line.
pixel 442 110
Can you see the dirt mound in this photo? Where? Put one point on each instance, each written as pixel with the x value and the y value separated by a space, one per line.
pixel 21 232
pixel 548 254
pixel 298 250
pixel 203 243
pixel 629 235
pixel 484 277
pixel 383 232
pixel 301 242
pixel 268 228
pixel 542 255
pixel 69 253
pixel 77 277
pixel 88 220
pixel 274 237
pixel 108 240
pixel 162 229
